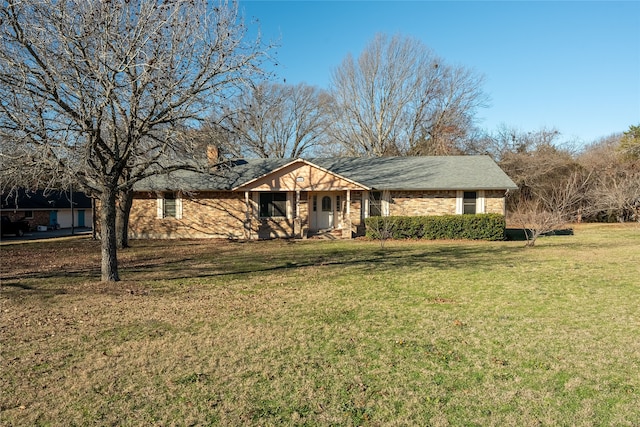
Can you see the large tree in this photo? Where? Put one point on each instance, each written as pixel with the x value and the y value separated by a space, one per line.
pixel 272 120
pixel 93 91
pixel 399 98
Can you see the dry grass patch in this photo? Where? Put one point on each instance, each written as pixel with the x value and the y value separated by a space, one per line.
pixel 322 333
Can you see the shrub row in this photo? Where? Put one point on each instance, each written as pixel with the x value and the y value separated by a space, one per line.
pixel 472 227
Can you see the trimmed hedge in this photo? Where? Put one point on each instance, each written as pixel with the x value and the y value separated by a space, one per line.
pixel 471 227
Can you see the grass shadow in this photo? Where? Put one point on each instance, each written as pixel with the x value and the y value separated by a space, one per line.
pixel 154 261
pixel 477 256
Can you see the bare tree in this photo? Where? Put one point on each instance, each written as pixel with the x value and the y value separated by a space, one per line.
pixel 536 161
pixel 274 120
pixel 399 98
pixel 93 91
pixel 548 211
pixel 614 193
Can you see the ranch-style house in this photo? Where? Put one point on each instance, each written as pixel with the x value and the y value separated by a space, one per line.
pixel 270 198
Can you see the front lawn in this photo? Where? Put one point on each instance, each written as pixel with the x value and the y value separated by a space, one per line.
pixel 324 333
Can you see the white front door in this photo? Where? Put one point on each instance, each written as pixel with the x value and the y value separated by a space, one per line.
pixel 324 211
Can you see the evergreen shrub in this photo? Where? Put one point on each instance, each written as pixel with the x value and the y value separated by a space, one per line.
pixel 469 227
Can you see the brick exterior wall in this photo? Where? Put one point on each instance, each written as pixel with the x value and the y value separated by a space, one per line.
pixel 223 214
pixel 417 203
pixel 494 202
pixel 208 214
pixel 422 203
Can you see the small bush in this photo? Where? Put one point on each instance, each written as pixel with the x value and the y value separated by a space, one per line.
pixel 470 227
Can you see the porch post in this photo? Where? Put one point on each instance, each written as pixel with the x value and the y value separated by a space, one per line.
pixel 297 222
pixel 247 213
pixel 365 204
pixel 346 230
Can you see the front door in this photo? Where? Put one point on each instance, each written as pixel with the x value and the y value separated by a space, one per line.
pixel 53 219
pixel 80 218
pixel 324 211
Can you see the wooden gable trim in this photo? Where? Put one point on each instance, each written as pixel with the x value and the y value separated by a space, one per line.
pixel 254 184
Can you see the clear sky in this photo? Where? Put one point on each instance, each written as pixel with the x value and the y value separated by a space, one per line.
pixel 569 65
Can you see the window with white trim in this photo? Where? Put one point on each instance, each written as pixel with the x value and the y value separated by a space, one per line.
pixel 169 205
pixel 470 202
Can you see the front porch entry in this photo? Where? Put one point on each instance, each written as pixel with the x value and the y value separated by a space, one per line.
pixel 317 200
pixel 323 211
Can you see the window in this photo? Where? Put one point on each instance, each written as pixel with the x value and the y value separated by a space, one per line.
pixel 469 202
pixel 375 203
pixel 273 204
pixel 28 214
pixel 169 206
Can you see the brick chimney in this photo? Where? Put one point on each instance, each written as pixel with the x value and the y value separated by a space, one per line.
pixel 212 155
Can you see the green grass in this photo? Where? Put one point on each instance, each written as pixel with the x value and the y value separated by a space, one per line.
pixel 325 333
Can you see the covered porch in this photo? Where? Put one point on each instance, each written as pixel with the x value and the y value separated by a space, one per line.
pixel 301 199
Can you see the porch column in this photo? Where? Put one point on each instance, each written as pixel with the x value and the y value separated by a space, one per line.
pixel 346 229
pixel 247 216
pixel 365 205
pixel 297 222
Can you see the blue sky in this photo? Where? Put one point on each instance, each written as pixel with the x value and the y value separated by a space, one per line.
pixel 571 65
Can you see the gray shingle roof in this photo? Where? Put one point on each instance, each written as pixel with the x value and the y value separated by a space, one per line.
pixel 421 173
pixel 380 173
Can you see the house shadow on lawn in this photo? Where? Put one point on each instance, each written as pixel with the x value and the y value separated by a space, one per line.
pixel 371 258
pixel 236 260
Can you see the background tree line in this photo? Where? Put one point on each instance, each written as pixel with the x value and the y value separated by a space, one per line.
pixel 399 98
pixel 104 94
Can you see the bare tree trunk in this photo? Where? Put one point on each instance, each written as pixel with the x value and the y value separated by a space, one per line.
pixel 125 201
pixel 108 237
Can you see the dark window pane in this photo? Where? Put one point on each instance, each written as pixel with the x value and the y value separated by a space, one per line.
pixel 169 205
pixel 375 204
pixel 273 204
pixel 326 204
pixel 469 202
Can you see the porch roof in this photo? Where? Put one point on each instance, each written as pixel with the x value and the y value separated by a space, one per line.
pixel 379 173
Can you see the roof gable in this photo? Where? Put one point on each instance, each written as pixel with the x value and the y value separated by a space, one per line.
pixel 300 175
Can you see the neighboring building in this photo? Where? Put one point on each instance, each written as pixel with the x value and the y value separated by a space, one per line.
pixel 51 209
pixel 267 198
